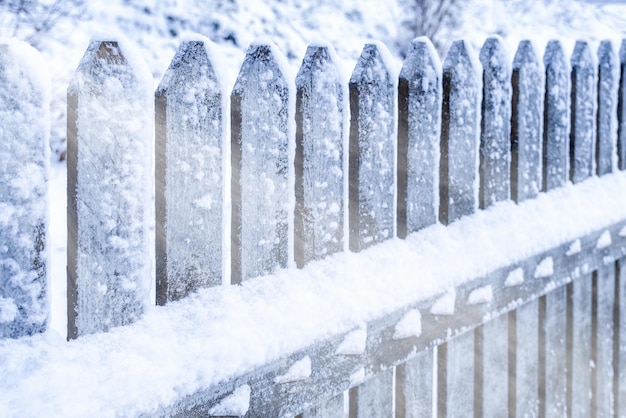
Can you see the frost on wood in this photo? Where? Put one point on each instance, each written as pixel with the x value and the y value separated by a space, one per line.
pixel 372 138
pixel 459 135
pixel 110 121
pixel 189 185
pixel 260 168
pixel 419 127
pixel 24 106
pixel 556 132
pixel 582 145
pixel 495 155
pixel 526 123
pixel 621 109
pixel 319 157
pixel 608 78
pixel 374 397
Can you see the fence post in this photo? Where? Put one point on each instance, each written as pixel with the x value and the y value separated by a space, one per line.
pixel 189 180
pixel 495 146
pixel 556 134
pixel 526 123
pixel 608 80
pixel 459 134
pixel 419 130
pixel 319 170
pixel 372 138
pixel 110 145
pixel 260 134
pixel 621 109
pixel 583 113
pixel 24 153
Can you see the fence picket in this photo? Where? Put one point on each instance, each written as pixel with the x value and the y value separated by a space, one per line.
pixel 455 367
pixel 524 346
pixel 608 80
pixel 526 123
pixel 319 167
pixel 556 133
pixel 414 387
pixel 459 135
pixel 492 350
pixel 371 161
pixel 619 379
pixel 109 189
pixel 621 109
pixel 553 352
pixel 24 111
pixel 495 148
pixel 419 128
pixel 260 135
pixel 603 325
pixel 189 180
pixel 582 148
pixel 579 344
pixel 373 398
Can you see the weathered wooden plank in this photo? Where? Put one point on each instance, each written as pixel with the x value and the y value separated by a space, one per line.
pixel 458 179
pixel 260 136
pixel 373 398
pixel 414 387
pixel 526 123
pixel 319 167
pixel 109 189
pixel 583 134
pixel 372 141
pixel 455 366
pixel 553 353
pixel 603 341
pixel 556 133
pixel 524 346
pixel 492 351
pixel 579 345
pixel 189 174
pixel 24 151
pixel 621 109
pixel 608 79
pixel 495 147
pixel 419 129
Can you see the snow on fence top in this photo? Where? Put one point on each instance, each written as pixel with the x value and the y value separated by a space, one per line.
pixel 300 182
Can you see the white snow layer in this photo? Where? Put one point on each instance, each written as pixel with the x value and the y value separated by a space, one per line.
pixel 225 331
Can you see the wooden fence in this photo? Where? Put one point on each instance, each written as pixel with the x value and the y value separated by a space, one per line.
pixel 318 167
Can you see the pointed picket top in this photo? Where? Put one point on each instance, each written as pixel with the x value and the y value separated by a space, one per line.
pixel 110 208
pixel 419 129
pixel 608 80
pixel 526 123
pixel 582 143
pixel 495 155
pixel 371 159
pixel 556 117
pixel 621 109
pixel 261 111
pixel 460 135
pixel 189 178
pixel 319 163
pixel 24 173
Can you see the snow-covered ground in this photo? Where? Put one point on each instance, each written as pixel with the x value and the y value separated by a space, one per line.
pixel 292 25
